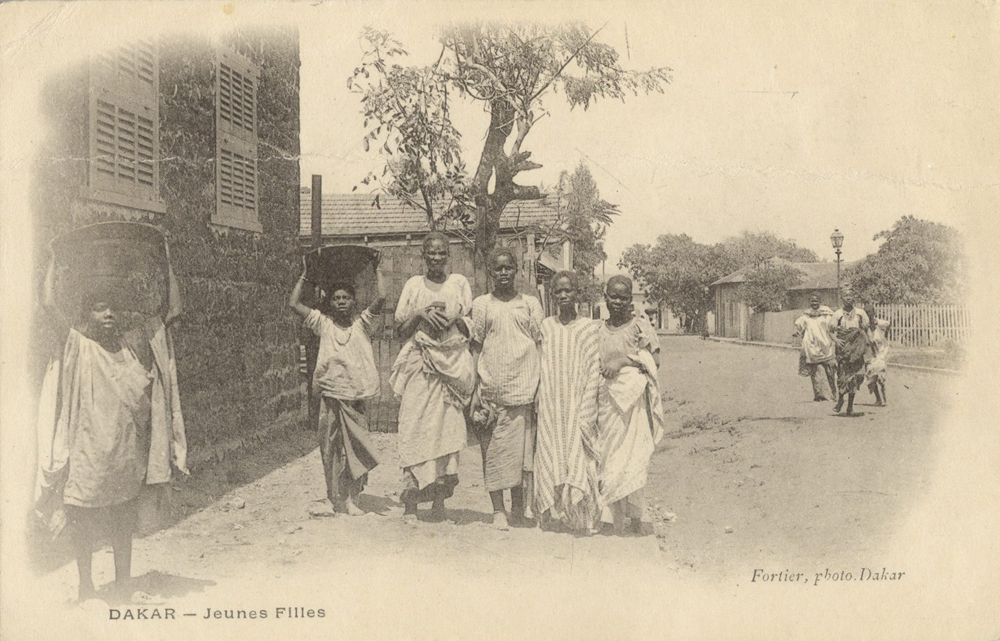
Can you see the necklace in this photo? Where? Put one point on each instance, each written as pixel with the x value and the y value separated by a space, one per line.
pixel 344 332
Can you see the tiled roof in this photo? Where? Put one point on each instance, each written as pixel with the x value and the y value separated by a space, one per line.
pixel 814 275
pixel 354 215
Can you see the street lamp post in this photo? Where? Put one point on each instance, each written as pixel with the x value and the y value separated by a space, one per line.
pixel 837 239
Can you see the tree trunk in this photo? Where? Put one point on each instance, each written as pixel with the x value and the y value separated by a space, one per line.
pixel 488 207
pixel 495 163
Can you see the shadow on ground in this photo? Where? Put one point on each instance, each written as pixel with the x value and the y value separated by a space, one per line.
pixel 208 482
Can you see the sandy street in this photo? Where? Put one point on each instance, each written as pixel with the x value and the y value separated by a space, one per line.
pixel 754 473
pixel 795 482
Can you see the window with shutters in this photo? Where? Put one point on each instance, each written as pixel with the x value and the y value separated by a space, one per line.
pixel 124 126
pixel 237 175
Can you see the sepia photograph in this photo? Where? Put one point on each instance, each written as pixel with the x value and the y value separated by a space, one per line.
pixel 513 320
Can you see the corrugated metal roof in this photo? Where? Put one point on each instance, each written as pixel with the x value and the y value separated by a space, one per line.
pixel 814 275
pixel 354 215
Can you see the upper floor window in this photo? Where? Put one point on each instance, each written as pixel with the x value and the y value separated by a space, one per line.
pixel 124 126
pixel 237 175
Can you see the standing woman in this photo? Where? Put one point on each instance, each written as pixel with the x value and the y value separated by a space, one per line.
pixel 567 455
pixel 630 411
pixel 433 377
pixel 506 330
pixel 850 325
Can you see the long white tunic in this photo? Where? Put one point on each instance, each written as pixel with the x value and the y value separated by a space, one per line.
pixel 430 377
pixel 817 343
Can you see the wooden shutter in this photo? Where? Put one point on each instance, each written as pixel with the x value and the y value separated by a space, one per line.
pixel 236 137
pixel 237 100
pixel 124 117
pixel 238 181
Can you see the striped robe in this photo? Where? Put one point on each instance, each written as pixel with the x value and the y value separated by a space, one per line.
pixel 567 450
pixel 508 368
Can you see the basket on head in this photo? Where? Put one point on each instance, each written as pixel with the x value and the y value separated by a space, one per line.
pixel 127 262
pixel 353 264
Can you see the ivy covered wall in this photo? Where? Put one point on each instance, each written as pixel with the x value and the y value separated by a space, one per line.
pixel 237 350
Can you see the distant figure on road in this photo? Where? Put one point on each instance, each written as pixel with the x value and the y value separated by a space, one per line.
pixel 506 331
pixel 434 377
pixel 629 408
pixel 567 456
pixel 878 352
pixel 818 356
pixel 345 378
pixel 851 336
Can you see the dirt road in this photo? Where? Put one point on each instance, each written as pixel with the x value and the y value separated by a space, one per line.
pixel 796 483
pixel 756 473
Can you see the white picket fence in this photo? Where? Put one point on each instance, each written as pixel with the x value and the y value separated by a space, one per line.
pixel 925 325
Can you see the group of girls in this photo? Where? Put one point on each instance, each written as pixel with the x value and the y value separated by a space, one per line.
pixel 566 410
pixel 848 346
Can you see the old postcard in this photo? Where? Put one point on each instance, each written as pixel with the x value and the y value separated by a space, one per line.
pixel 416 320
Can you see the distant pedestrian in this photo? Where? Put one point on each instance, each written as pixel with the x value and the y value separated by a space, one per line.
pixel 506 331
pixel 878 353
pixel 629 408
pixel 345 378
pixel 567 455
pixel 433 377
pixel 851 336
pixel 818 358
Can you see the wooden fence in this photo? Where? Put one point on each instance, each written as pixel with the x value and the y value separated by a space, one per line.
pixel 909 325
pixel 925 325
pixel 774 327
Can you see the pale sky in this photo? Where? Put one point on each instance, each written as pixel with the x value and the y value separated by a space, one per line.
pixel 790 118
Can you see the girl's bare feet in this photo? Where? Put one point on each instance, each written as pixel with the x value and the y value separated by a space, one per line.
pixel 410 513
pixel 351 507
pixel 500 521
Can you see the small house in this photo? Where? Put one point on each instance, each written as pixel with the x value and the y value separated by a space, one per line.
pixel 530 227
pixel 732 315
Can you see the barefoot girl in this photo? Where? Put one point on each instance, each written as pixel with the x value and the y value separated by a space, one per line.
pixel 506 329
pixel 567 455
pixel 630 410
pixel 110 426
pixel 433 377
pixel 345 378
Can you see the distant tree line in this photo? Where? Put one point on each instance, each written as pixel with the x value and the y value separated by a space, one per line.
pixel 677 271
pixel 918 261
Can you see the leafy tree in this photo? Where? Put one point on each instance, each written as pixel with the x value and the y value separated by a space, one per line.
pixel 677 272
pixel 511 70
pixel 587 217
pixel 918 262
pixel 408 111
pixel 766 286
pixel 751 249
